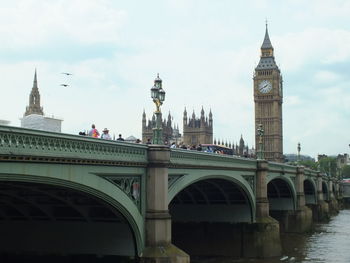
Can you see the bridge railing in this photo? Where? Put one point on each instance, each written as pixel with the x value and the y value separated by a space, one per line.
pixel 282 168
pixel 191 159
pixel 20 144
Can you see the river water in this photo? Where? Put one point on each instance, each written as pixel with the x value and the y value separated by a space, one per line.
pixel 328 243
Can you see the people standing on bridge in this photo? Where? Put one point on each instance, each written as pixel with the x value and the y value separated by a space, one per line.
pixel 173 145
pixel 94 132
pixel 148 141
pixel 105 135
pixel 183 146
pixel 120 138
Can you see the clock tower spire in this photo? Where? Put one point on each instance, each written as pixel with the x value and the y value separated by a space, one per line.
pixel 268 100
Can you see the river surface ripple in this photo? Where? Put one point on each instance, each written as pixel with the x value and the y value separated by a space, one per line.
pixel 328 243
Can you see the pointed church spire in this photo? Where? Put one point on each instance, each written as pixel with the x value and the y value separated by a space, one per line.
pixel 35 82
pixel 34 100
pixel 267 43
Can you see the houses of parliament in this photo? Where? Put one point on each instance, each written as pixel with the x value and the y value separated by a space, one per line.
pixel 268 99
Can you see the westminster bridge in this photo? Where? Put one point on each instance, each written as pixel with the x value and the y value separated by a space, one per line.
pixel 68 194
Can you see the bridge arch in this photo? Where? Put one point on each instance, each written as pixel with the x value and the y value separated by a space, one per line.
pixel 87 183
pixel 334 190
pixel 234 182
pixel 325 191
pixel 281 193
pixel 310 191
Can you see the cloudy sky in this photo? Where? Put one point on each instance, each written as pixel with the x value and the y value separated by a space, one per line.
pixel 204 50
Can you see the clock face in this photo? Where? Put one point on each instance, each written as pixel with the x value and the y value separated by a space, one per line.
pixel 265 86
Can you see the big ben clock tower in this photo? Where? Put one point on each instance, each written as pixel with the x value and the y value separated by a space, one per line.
pixel 268 102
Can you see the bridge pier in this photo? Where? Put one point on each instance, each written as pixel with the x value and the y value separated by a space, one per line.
pixel 159 248
pixel 333 202
pixel 262 238
pixel 320 211
pixel 300 220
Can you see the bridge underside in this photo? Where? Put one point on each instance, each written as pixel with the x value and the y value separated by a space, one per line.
pixel 207 218
pixel 280 196
pixel 45 219
pixel 281 201
pixel 212 200
pixel 310 193
pixel 325 192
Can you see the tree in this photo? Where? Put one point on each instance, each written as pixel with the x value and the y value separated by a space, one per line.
pixel 328 165
pixel 345 171
pixel 309 164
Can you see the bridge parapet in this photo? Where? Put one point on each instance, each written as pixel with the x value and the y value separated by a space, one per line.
pixel 282 168
pixel 19 144
pixel 193 159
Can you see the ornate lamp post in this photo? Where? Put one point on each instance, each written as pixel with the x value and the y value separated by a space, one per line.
pixel 158 96
pixel 260 132
pixel 299 148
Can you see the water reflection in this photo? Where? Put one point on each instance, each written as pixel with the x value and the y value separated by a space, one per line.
pixel 328 243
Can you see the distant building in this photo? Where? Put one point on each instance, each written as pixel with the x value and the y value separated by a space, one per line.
pixel 197 130
pixel 170 131
pixel 34 115
pixel 40 122
pixel 4 122
pixel 268 99
pixel 242 149
pixel 342 160
pixel 131 138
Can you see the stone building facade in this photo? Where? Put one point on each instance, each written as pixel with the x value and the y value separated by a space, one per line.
pixel 170 130
pixel 197 130
pixel 34 100
pixel 268 98
pixel 34 118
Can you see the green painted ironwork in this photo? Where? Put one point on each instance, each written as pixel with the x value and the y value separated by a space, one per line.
pixel 172 179
pixel 195 159
pixel 130 185
pixel 251 180
pixel 116 171
pixel 34 145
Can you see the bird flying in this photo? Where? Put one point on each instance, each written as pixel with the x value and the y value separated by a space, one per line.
pixel 67 73
pixel 64 85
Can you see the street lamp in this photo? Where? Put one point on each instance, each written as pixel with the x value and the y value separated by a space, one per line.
pixel 299 148
pixel 158 96
pixel 260 132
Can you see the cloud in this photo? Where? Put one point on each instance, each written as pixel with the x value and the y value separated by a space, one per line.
pixel 325 76
pixel 204 54
pixel 33 23
pixel 317 45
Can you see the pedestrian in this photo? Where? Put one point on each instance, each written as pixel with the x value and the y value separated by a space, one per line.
pixel 120 138
pixel 105 135
pixel 148 141
pixel 173 145
pixel 138 141
pixel 94 132
pixel 199 147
